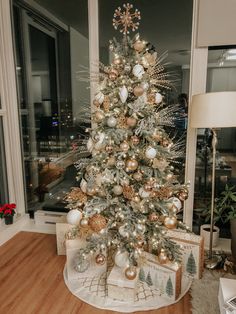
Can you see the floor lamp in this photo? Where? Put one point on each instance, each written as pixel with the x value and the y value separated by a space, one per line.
pixel 213 110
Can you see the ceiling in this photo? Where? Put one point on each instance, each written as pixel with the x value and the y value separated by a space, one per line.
pixel 166 24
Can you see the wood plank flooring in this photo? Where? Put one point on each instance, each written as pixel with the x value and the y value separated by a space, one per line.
pixel 31 280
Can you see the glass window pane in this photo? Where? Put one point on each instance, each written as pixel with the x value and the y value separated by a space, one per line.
pixel 3 174
pixel 221 74
pixel 52 97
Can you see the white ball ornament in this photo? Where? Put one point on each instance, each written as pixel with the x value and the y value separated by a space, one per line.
pixel 143 193
pixel 158 98
pixel 122 259
pixel 150 152
pixel 174 202
pixel 117 190
pixel 138 71
pixel 73 217
pixel 111 122
pixel 100 97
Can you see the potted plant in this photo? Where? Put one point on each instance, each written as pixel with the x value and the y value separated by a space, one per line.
pixel 7 211
pixel 224 210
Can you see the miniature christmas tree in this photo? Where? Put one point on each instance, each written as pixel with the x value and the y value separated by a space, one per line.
pixel 149 279
pixel 142 275
pixel 191 265
pixel 169 287
pixel 129 193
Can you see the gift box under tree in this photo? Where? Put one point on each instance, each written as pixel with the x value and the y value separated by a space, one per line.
pixel 163 277
pixel 121 288
pixel 192 251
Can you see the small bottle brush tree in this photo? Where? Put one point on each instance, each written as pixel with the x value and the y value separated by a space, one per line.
pixel 129 194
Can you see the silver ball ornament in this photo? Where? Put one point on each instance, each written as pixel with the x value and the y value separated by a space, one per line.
pixel 111 122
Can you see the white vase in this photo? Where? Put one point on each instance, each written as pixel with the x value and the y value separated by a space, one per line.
pixel 205 233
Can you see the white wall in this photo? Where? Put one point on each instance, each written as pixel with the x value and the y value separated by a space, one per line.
pixel 216 23
pixel 79 46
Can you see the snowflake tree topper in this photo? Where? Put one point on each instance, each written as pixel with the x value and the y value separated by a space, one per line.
pixel 126 19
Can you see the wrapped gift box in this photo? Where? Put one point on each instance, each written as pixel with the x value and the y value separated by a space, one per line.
pixel 193 251
pixel 121 288
pixel 166 278
pixel 72 250
pixel 227 290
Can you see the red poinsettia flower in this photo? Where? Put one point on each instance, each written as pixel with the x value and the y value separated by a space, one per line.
pixel 7 210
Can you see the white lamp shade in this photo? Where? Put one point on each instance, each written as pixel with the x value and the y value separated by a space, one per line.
pixel 213 110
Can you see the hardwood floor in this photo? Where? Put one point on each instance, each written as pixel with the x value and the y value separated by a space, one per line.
pixel 31 280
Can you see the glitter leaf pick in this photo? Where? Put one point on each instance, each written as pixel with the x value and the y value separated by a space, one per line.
pixel 126 19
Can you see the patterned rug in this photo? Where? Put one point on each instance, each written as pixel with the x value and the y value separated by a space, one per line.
pixel 204 292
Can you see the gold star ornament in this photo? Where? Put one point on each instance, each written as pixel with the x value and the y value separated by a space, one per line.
pixel 126 19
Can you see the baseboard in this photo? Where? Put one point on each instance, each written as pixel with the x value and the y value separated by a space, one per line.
pixel 31 226
pixel 9 231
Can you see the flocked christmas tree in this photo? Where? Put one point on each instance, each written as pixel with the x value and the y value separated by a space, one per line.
pixel 129 193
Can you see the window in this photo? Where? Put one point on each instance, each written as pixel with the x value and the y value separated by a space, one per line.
pixel 51 49
pixel 221 71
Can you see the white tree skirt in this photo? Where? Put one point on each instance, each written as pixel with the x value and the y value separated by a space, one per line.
pixel 93 290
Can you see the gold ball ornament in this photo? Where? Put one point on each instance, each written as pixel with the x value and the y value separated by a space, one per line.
pixel 99 116
pixel 138 176
pixel 100 259
pixel 131 272
pixel 111 161
pixel 170 222
pixel 153 217
pixel 135 140
pixel 131 122
pixel 169 176
pixel 91 191
pixel 117 190
pixel 113 75
pixel 162 257
pixel 117 60
pixel 138 91
pixel 124 146
pixel 96 103
pixel 131 165
pixel 137 199
pixel 139 45
pixel 84 222
pixel 183 195
pixel 97 222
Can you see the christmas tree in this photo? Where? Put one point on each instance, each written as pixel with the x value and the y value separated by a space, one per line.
pixel 149 279
pixel 142 275
pixel 129 193
pixel 169 287
pixel 191 265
